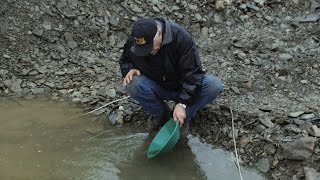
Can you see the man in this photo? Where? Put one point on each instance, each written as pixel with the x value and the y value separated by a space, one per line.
pixel 160 61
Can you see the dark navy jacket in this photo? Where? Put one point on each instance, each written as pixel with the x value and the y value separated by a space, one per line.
pixel 176 66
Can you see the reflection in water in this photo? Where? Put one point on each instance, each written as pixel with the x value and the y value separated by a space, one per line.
pixel 39 139
pixel 218 164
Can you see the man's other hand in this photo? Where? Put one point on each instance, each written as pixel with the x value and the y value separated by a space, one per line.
pixel 179 114
pixel 129 76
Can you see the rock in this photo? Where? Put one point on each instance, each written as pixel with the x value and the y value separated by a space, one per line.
pixel 235 89
pixel 198 17
pixel 270 149
pixel 76 94
pixel 266 121
pixel 300 149
pixel 135 8
pixel 285 57
pixel 47 25
pixel 111 93
pixel 16 85
pixel 37 90
pixel 311 174
pixel 70 41
pixel 244 141
pixel 308 19
pixel 102 92
pixel 263 165
pixel 217 18
pixel 296 114
pixel 304 81
pixel 316 131
pixel 236 133
pixel 220 5
pixel 6 56
pixel 307 116
pixel 252 6
pixel 292 128
pixel 37 31
pixel 260 2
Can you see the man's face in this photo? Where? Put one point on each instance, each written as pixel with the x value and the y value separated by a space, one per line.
pixel 157 41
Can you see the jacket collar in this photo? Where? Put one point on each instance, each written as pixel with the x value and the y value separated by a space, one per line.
pixel 167 37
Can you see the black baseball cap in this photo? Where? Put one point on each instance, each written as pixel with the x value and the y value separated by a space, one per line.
pixel 143 33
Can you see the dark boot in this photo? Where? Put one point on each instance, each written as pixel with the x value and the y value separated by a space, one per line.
pixel 155 123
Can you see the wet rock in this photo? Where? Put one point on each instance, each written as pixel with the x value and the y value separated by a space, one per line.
pixel 263 165
pixel 296 114
pixel 117 116
pixel 37 90
pixel 311 173
pixel 300 149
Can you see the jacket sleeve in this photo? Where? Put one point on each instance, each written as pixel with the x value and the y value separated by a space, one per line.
pixel 125 61
pixel 189 67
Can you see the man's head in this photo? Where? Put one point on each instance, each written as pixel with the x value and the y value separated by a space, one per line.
pixel 147 34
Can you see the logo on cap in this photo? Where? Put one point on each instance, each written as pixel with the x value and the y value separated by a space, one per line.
pixel 140 41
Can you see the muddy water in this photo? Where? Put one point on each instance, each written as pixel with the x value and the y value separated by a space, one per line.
pixel 41 139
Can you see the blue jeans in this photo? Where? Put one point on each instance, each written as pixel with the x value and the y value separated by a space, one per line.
pixel 151 95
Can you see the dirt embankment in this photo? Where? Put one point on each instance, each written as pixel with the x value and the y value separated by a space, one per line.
pixel 267 52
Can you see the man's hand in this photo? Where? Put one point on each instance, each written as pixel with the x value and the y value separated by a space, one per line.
pixel 130 75
pixel 179 114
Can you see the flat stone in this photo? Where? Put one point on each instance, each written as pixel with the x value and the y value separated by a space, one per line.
pixel 307 116
pixel 285 57
pixel 308 19
pixel 300 149
pixel 37 90
pixel 296 114
pixel 6 56
pixel 267 122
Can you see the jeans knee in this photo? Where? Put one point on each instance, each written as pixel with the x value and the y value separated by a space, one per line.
pixel 214 85
pixel 137 86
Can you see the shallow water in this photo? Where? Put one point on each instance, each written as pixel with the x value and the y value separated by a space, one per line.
pixel 41 139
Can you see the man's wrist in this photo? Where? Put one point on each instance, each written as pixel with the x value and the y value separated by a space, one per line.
pixel 182 105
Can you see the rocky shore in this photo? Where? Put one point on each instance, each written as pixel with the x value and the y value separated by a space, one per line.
pixel 267 52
